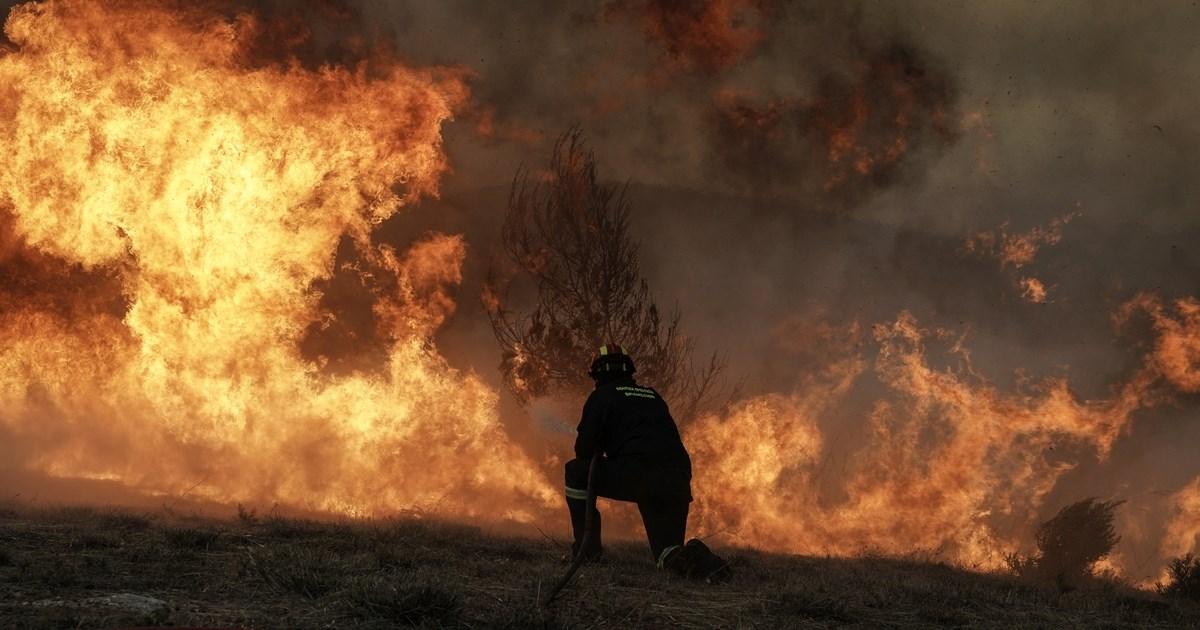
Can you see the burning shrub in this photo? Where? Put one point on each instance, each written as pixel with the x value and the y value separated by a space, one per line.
pixel 1184 578
pixel 1070 544
pixel 568 234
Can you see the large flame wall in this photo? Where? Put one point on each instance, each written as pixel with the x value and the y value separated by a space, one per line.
pixel 144 151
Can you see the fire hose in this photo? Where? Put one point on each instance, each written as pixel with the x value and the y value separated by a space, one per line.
pixel 589 525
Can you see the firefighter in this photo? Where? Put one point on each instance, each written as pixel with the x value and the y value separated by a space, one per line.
pixel 643 461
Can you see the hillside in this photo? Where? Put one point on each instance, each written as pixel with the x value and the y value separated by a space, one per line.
pixel 70 567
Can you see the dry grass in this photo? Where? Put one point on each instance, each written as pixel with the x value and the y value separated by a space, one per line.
pixel 275 572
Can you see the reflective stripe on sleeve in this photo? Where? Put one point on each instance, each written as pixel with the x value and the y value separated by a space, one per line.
pixel 576 493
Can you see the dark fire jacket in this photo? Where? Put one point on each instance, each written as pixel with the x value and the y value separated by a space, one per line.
pixel 625 420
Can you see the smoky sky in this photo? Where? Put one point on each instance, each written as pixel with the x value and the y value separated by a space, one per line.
pixel 1046 110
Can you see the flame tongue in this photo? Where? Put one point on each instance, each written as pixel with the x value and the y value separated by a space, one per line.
pixel 949 460
pixel 138 139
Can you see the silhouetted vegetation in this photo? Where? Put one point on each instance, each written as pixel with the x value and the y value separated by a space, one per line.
pixel 1070 544
pixel 190 537
pixel 1183 578
pixel 402 599
pixel 567 235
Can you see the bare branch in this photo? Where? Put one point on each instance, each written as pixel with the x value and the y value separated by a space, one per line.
pixel 567 234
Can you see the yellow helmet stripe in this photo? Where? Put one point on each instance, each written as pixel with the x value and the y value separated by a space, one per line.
pixel 613 349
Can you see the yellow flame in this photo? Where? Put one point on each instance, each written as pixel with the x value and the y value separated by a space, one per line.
pixel 1182 534
pixel 1176 353
pixel 1033 290
pixel 949 464
pixel 139 141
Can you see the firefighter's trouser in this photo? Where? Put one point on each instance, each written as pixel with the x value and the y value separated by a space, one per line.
pixel 662 497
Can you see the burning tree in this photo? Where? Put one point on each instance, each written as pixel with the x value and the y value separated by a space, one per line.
pixel 1071 543
pixel 568 235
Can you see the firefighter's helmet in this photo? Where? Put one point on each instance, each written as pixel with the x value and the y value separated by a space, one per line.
pixel 611 357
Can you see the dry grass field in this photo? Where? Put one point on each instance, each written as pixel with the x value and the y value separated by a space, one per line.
pixel 81 567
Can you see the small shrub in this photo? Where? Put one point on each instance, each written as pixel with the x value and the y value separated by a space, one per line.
pixel 1061 583
pixel 309 571
pixel 409 602
pixel 388 559
pixel 1072 542
pixel 291 528
pixel 68 572
pixel 1069 545
pixel 813 606
pixel 148 554
pixel 1184 578
pixel 73 513
pixel 247 517
pixel 1020 566
pixel 116 519
pixel 191 537
pixel 88 539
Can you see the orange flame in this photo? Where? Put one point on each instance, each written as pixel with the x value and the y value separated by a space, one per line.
pixel 950 463
pixel 861 127
pixel 1033 290
pixel 1176 353
pixel 868 126
pixel 140 142
pixel 708 35
pixel 1182 534
pixel 1019 250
